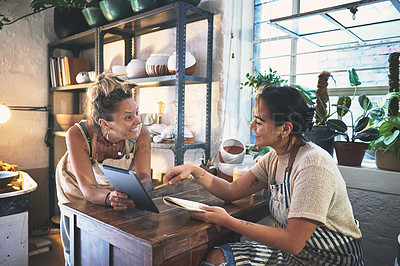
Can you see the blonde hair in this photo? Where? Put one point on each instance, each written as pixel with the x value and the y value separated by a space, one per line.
pixel 104 95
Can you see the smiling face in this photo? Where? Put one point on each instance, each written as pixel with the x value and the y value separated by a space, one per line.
pixel 125 121
pixel 266 133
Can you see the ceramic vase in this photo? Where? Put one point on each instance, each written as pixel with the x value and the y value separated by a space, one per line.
pixel 115 9
pixel 94 16
pixel 68 22
pixel 136 69
pixel 190 64
pixel 156 65
pixel 139 6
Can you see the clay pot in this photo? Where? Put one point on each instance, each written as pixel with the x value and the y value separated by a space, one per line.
pixel 156 65
pixel 139 6
pixel 68 22
pixel 190 64
pixel 350 153
pixel 387 160
pixel 136 69
pixel 225 171
pixel 67 120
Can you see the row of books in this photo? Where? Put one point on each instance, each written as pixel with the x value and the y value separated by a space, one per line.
pixel 63 70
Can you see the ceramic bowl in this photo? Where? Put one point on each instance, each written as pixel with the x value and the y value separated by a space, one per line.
pixel 118 70
pixel 116 9
pixel 67 120
pixel 232 151
pixel 92 76
pixel 6 178
pixel 156 65
pixel 225 171
pixel 136 69
pixel 190 64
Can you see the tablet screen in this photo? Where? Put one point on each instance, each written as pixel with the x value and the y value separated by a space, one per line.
pixel 127 182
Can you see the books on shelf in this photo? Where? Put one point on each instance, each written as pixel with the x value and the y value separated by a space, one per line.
pixel 63 70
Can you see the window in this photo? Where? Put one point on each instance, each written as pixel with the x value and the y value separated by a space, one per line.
pixel 299 39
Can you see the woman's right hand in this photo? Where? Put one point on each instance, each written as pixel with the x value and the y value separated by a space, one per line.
pixel 177 173
pixel 120 201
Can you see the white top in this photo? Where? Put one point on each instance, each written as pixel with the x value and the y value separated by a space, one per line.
pixel 316 185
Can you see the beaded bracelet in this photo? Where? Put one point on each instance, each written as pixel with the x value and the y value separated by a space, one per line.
pixel 204 171
pixel 105 200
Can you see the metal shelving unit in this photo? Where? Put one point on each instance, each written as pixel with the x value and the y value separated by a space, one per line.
pixel 176 15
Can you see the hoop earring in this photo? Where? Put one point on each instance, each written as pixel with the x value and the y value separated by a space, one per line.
pixel 283 136
pixel 107 134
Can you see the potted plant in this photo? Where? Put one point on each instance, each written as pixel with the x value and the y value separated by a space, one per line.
pixel 320 133
pixel 387 146
pixel 351 152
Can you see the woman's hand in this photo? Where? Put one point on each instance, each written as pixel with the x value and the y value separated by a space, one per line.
pixel 177 173
pixel 119 201
pixel 213 214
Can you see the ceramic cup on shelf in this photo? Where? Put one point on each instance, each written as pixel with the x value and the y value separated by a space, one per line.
pixel 136 68
pixel 94 16
pixel 156 65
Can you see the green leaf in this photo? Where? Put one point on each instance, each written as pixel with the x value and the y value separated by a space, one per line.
pixel 353 78
pixel 368 134
pixel 336 125
pixel 361 124
pixel 394 121
pixel 390 139
pixel 365 102
pixel 377 113
pixel 343 105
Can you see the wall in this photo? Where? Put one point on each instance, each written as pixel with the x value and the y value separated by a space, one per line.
pixel 375 197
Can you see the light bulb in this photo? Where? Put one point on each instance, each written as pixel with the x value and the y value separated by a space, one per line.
pixel 4 114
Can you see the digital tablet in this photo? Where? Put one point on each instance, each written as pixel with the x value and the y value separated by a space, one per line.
pixel 127 182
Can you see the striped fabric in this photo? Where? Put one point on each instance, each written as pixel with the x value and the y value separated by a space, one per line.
pixel 325 247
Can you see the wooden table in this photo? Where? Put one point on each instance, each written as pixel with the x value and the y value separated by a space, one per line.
pixel 102 236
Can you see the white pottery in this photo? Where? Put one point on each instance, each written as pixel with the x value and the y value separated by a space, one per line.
pixel 232 151
pixel 190 64
pixel 156 65
pixel 92 76
pixel 82 77
pixel 118 69
pixel 136 68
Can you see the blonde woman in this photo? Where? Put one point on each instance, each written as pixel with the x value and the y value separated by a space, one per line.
pixel 111 135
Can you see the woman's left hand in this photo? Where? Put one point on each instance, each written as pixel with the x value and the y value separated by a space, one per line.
pixel 213 214
pixel 120 201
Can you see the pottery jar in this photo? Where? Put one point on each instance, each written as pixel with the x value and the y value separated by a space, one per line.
pixel 190 64
pixel 136 69
pixel 156 65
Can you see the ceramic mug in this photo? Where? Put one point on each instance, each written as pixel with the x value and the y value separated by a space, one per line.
pixel 232 151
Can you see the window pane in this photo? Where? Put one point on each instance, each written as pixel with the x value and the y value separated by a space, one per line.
pixel 306 25
pixel 310 5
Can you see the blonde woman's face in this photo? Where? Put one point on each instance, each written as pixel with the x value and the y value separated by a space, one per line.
pixel 125 121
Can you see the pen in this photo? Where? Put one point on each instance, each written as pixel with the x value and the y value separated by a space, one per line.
pixel 157 187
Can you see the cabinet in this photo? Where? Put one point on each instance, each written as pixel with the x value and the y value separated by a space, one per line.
pixel 177 15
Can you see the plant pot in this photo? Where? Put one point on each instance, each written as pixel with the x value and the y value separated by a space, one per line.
pixel 387 160
pixel 350 153
pixel 94 16
pixel 143 5
pixel 115 9
pixel 320 134
pixel 69 22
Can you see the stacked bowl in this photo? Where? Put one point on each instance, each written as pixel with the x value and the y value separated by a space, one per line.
pixel 231 154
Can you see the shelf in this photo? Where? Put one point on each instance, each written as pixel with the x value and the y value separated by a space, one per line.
pixel 164 17
pixel 169 80
pixel 76 87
